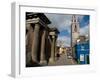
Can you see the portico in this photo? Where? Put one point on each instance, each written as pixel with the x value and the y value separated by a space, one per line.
pixel 38 24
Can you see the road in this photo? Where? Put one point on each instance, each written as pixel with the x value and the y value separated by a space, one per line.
pixel 63 60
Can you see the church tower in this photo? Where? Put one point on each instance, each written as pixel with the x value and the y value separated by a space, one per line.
pixel 74 30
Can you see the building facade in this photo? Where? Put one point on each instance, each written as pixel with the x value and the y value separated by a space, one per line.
pixel 40 40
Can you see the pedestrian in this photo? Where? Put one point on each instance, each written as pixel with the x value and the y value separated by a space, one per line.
pixel 58 55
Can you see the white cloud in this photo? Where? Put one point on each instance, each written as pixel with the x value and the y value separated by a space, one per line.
pixel 61 22
pixel 63 41
pixel 84 30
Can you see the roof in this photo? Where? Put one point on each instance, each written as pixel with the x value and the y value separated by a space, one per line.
pixel 30 15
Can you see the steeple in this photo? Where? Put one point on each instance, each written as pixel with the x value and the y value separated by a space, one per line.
pixel 74 19
pixel 74 30
pixel 74 24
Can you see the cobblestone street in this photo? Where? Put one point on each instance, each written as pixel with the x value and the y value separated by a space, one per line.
pixel 63 60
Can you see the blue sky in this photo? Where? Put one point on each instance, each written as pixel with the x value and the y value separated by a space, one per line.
pixel 63 23
pixel 84 21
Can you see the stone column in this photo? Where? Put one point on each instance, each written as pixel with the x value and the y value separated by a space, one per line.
pixel 52 57
pixel 35 43
pixel 42 52
pixel 28 40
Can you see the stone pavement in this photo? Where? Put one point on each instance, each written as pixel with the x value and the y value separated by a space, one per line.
pixel 63 60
